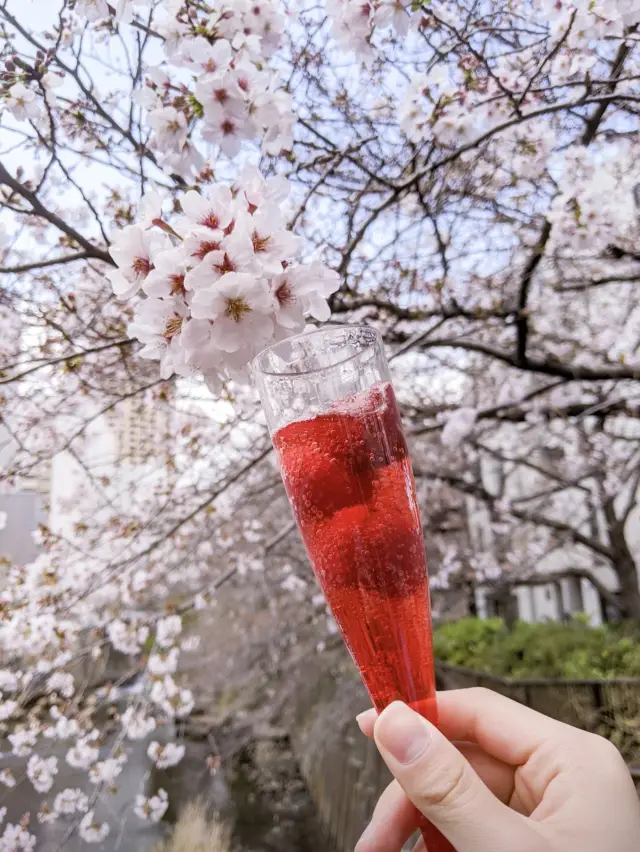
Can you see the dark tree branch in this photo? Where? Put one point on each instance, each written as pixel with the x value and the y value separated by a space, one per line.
pixel 588 135
pixel 571 372
pixel 118 344
pixel 44 264
pixel 479 491
pixel 39 209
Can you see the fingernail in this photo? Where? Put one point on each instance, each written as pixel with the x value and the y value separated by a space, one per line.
pixel 403 733
pixel 361 716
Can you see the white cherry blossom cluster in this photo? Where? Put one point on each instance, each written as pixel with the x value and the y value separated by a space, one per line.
pixel 97 10
pixel 455 104
pixel 152 808
pixel 16 838
pixel 165 756
pixel 215 76
pixel 41 772
pixel 355 23
pixel 217 73
pixel 591 20
pixel 70 801
pixel 597 204
pixel 92 831
pixel 221 281
pixel 458 427
pixel 160 697
pixel 23 98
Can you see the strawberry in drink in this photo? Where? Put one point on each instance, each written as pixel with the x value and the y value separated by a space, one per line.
pixel 348 477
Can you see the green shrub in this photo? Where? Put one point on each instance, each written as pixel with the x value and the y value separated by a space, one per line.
pixel 549 650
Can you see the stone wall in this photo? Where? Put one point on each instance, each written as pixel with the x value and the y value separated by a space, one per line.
pixel 343 771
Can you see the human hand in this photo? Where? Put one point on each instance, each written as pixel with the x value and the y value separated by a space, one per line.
pixel 499 777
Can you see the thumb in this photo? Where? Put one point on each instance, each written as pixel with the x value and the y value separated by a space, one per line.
pixel 443 786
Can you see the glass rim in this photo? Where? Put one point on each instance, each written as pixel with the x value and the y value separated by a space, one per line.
pixel 375 335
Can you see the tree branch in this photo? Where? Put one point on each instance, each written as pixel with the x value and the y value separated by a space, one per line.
pixel 573 372
pixel 74 356
pixel 479 491
pixel 39 209
pixel 44 264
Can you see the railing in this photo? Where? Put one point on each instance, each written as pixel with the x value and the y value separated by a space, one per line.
pixel 610 708
pixel 345 773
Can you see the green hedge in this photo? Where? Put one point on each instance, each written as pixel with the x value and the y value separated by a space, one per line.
pixel 549 650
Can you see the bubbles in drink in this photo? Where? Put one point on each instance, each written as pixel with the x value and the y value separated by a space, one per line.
pixel 349 480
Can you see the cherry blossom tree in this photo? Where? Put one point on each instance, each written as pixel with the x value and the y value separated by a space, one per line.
pixel 183 182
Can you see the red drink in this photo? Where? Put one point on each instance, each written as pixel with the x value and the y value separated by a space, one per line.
pixel 348 477
pixel 349 480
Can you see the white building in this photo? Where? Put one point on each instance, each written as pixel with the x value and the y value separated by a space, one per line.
pixel 559 599
pixel 115 451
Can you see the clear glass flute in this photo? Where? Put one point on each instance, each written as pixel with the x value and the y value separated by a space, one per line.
pixel 336 429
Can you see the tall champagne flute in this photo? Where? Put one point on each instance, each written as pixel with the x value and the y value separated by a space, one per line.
pixel 336 429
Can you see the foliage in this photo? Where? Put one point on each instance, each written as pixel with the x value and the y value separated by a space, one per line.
pixel 548 650
pixel 195 832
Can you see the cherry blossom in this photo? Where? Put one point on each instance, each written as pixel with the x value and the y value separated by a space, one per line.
pixel 235 255
pixel 91 831
pixel 271 240
pixel 41 772
pixel 152 808
pixel 92 10
pixel 394 13
pixel 82 755
pixel 70 801
pixel 61 682
pixel 157 324
pixel 227 52
pixel 9 681
pixel 132 250
pixel 167 278
pixel 165 756
pixel 458 426
pixel 22 103
pixel 7 709
pixel 352 24
pixel 213 210
pixel 106 771
pixel 172 699
pixel 50 82
pixel 241 308
pixel 209 58
pixel 7 778
pixel 127 638
pixel 211 304
pixel 46 815
pixel 64 727
pixel 15 838
pixel 137 724
pixel 23 742
pixel 161 664
pixel 170 128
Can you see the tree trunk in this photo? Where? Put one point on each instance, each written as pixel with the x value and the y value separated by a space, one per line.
pixel 624 565
pixel 629 595
pixel 506 605
pixel 472 604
